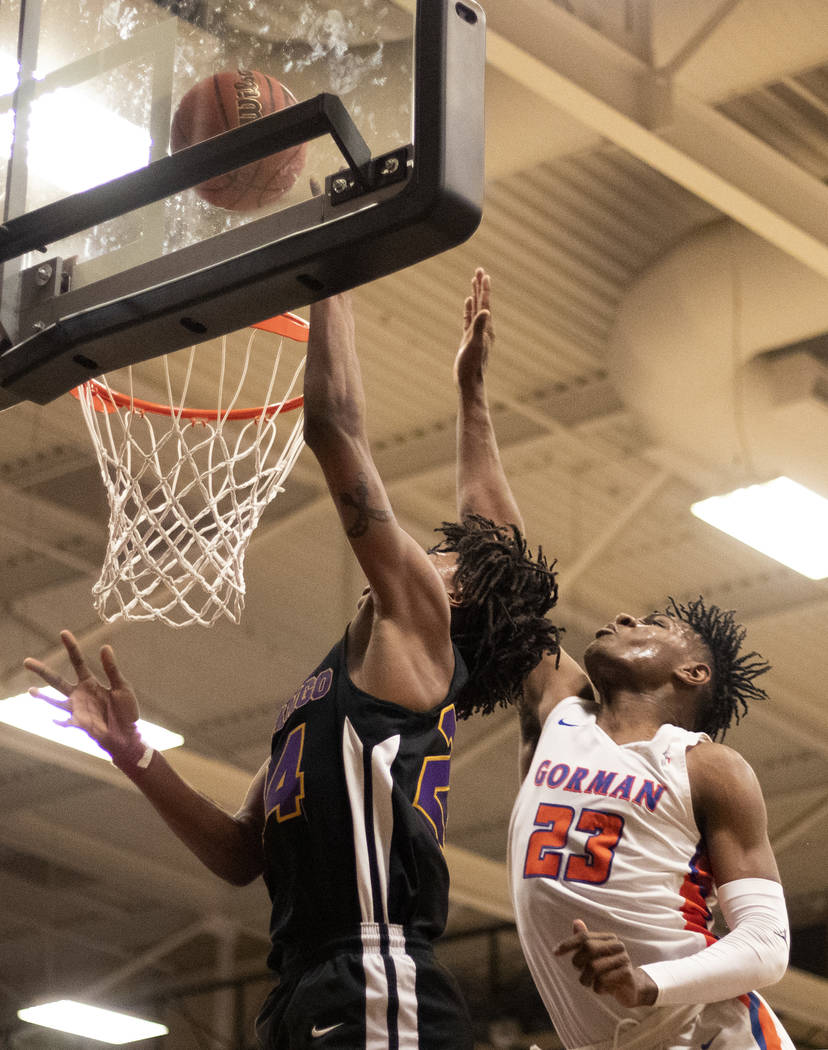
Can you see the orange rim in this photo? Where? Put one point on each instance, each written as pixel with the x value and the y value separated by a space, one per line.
pixel 105 400
pixel 290 325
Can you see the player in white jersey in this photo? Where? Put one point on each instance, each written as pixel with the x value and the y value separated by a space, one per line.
pixel 631 821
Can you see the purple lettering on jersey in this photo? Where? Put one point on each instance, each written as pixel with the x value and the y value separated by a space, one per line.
pixel 624 789
pixel 305 692
pixel 448 724
pixel 432 793
pixel 431 798
pixel 557 774
pixel 575 780
pixel 286 712
pixel 323 683
pixel 600 783
pixel 314 687
pixel 649 795
pixel 543 769
pixel 285 787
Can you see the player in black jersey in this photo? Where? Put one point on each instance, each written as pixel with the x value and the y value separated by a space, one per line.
pixel 346 819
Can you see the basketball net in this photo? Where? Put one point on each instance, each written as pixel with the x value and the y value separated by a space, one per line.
pixel 186 488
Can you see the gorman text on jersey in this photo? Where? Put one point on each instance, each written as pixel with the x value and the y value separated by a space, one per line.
pixel 581 780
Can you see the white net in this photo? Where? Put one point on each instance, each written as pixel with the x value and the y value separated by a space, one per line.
pixel 185 496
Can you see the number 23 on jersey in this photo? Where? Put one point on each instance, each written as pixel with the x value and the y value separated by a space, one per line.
pixel 545 851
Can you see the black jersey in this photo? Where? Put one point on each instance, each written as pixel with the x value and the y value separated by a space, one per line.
pixel 355 815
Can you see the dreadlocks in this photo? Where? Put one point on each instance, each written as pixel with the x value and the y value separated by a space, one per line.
pixel 499 626
pixel 733 675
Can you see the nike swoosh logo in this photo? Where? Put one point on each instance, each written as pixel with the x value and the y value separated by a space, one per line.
pixel 572 725
pixel 316 1033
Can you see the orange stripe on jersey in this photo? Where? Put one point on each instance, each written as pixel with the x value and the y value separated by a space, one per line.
pixel 761 1023
pixel 694 890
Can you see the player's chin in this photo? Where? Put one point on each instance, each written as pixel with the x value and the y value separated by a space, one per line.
pixel 598 646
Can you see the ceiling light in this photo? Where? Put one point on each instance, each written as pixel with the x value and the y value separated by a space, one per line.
pixel 781 518
pixel 74 141
pixel 38 716
pixel 107 1026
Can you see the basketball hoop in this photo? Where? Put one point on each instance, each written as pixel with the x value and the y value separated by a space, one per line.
pixel 186 488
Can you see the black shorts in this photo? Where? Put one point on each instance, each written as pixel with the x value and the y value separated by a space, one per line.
pixel 368 993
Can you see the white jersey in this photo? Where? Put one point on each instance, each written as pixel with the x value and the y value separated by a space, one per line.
pixel 606 833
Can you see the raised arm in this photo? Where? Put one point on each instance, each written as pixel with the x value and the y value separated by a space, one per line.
pixel 400 649
pixel 228 844
pixel 483 488
pixel 482 485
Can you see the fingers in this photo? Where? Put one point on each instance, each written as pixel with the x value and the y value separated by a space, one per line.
pixel 80 716
pixel 587 945
pixel 480 322
pixel 63 685
pixel 50 677
pixel 579 929
pixel 55 701
pixel 604 976
pixel 476 283
pixel 75 655
pixel 603 963
pixel 481 289
pixel 476 311
pixel 116 679
pixel 485 292
pixel 601 958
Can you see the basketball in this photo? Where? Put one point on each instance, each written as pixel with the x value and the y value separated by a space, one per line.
pixel 225 101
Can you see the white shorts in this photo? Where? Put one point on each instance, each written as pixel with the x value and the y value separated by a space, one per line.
pixel 746 1023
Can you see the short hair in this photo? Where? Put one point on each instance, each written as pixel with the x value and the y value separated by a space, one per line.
pixel 499 625
pixel 733 676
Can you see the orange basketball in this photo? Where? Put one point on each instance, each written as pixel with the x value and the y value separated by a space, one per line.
pixel 225 101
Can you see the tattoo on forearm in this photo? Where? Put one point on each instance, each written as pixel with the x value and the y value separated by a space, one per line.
pixel 364 513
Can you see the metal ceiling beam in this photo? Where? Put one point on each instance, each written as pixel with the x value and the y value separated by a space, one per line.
pixel 41 524
pixel 700 36
pixel 132 870
pixel 572 66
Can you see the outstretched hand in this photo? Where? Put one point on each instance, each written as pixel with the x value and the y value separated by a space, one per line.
pixel 478 331
pixel 606 967
pixel 105 713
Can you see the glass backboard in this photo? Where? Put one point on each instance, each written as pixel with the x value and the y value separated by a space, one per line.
pixel 132 228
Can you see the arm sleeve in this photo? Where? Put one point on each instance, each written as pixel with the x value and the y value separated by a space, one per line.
pixel 752 955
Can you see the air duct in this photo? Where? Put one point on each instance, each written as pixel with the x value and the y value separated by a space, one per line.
pixel 721 348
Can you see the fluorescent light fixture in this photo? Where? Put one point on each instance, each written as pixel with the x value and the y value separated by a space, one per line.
pixel 107 1026
pixel 781 518
pixel 75 142
pixel 38 716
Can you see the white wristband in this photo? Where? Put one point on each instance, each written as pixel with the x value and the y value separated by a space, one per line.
pixel 146 758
